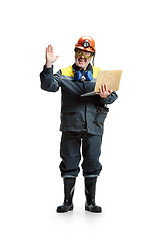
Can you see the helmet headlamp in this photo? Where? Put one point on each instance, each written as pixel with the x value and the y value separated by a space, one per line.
pixel 86 44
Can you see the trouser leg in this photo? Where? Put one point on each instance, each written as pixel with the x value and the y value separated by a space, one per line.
pixel 70 154
pixel 91 150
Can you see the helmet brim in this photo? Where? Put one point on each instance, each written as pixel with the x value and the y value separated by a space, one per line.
pixel 88 49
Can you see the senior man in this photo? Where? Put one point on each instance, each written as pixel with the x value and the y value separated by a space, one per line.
pixel 82 119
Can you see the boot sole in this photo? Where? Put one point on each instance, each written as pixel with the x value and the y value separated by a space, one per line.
pixel 59 210
pixel 98 210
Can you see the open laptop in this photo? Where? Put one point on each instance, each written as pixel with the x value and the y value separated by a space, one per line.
pixel 109 77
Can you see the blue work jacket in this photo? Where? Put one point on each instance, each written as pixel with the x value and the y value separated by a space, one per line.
pixel 77 113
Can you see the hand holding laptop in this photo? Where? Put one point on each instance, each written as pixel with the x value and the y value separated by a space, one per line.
pixel 104 92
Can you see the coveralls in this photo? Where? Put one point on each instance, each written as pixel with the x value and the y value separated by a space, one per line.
pixel 82 119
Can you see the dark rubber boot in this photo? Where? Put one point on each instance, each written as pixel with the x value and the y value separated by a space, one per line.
pixel 90 189
pixel 69 184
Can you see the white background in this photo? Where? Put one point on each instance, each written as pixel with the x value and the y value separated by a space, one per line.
pixel 127 37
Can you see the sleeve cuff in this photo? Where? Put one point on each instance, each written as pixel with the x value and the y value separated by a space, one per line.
pixel 110 99
pixel 48 71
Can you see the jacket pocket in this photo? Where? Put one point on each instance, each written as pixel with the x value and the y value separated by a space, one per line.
pixel 101 114
pixel 69 119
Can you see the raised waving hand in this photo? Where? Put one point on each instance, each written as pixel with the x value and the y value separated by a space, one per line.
pixel 50 58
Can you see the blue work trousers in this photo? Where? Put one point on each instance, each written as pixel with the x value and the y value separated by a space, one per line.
pixel 70 152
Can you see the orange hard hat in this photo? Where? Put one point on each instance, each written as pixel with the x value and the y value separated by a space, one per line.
pixel 86 43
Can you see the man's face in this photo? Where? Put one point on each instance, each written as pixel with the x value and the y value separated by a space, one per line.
pixel 82 58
